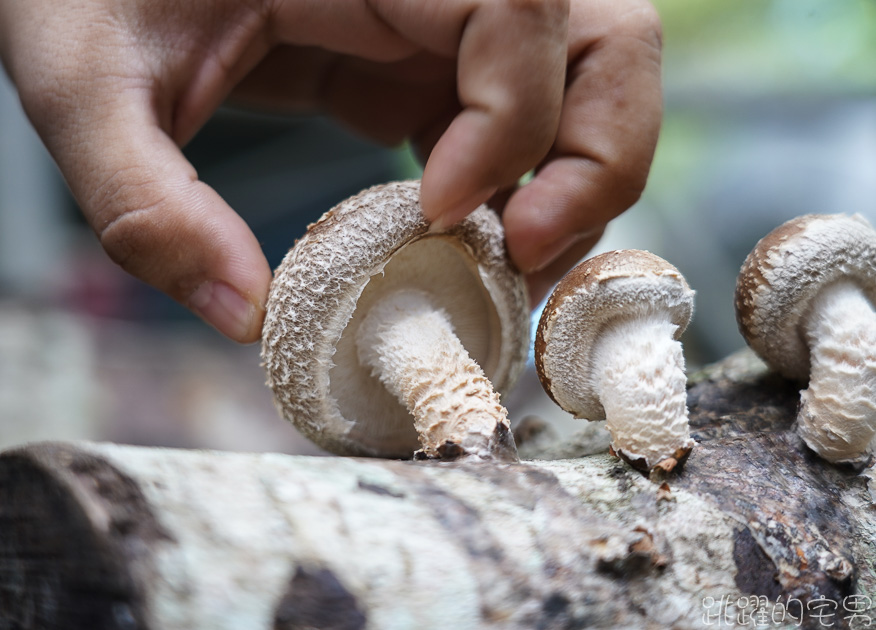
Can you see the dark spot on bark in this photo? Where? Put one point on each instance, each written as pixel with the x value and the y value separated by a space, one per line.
pixel 632 565
pixel 621 474
pixel 377 489
pixel 755 571
pixel 316 600
pixel 130 513
pixel 555 605
pixel 58 568
pixel 542 479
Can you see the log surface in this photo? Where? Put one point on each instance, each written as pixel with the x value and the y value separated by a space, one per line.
pixel 755 531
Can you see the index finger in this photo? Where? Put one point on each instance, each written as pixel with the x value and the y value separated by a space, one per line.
pixel 511 66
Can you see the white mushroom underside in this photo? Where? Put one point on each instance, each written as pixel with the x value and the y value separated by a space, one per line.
pixel 837 417
pixel 451 277
pixel 639 375
pixel 411 347
pixel 361 249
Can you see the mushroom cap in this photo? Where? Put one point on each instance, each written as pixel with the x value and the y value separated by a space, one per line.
pixel 602 289
pixel 370 245
pixel 787 269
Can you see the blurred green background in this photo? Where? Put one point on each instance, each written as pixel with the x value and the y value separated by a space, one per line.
pixel 770 112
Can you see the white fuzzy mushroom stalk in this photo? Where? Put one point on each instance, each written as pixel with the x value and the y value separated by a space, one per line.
pixel 641 382
pixel 410 345
pixel 607 348
pixel 383 339
pixel 805 303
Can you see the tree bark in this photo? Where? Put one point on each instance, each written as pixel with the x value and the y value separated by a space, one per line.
pixel 754 531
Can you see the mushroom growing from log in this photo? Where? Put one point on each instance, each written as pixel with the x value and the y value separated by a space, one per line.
pixel 805 304
pixel 381 336
pixel 607 348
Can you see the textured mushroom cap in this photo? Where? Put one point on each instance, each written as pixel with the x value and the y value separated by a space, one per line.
pixel 368 246
pixel 787 269
pixel 602 289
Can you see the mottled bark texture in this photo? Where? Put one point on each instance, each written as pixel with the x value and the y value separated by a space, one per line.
pixel 754 529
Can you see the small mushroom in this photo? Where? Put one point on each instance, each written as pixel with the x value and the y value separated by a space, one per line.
pixel 607 348
pixel 805 304
pixel 381 336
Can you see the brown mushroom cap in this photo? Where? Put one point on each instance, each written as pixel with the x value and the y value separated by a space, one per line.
pixel 370 245
pixel 787 269
pixel 602 289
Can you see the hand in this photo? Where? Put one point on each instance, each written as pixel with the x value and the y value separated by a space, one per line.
pixel 486 90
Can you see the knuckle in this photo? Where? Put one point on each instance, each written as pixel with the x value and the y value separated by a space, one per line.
pixel 129 239
pixel 524 147
pixel 154 231
pixel 154 248
pixel 123 190
pixel 539 7
pixel 550 14
pixel 126 217
pixel 626 179
pixel 642 21
pixel 617 19
pixel 649 25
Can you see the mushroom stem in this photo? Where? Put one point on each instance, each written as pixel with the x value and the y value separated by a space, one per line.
pixel 643 388
pixel 837 417
pixel 411 347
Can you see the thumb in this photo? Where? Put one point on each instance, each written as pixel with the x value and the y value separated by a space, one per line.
pixel 164 226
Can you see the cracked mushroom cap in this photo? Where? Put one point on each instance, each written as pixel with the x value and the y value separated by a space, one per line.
pixel 602 289
pixel 370 245
pixel 787 269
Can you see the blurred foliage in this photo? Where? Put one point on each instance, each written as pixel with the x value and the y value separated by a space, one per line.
pixel 775 45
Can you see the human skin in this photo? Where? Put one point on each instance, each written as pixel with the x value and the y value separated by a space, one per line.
pixel 486 90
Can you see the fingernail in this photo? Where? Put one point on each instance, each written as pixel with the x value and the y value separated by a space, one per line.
pixel 224 308
pixel 553 251
pixel 438 225
pixel 461 209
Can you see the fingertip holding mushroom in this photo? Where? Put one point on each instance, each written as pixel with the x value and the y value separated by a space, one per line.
pixel 382 337
pixel 607 348
pixel 805 304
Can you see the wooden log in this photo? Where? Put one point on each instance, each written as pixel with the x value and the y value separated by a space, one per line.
pixel 754 530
